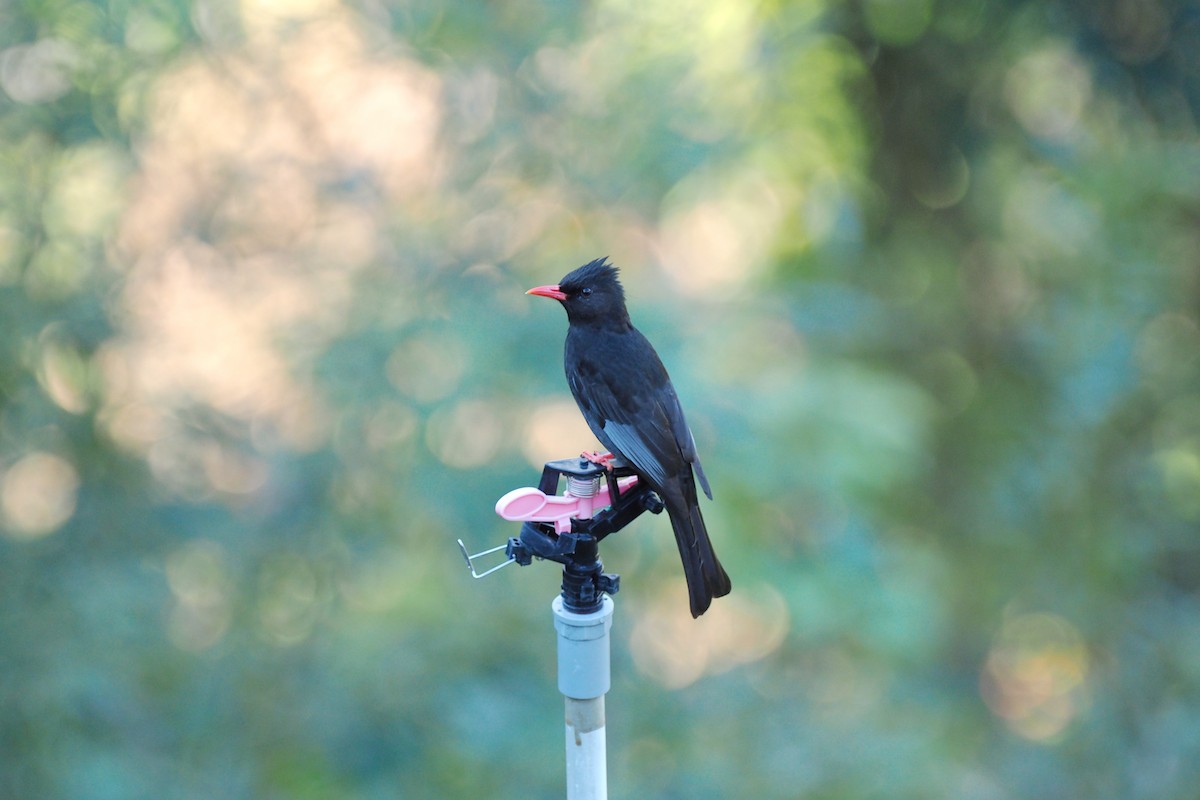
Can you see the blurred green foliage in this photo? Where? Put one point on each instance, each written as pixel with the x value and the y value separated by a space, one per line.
pixel 925 273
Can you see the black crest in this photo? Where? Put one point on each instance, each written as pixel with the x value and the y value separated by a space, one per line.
pixel 596 275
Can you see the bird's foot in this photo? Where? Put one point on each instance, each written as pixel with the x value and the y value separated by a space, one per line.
pixel 600 459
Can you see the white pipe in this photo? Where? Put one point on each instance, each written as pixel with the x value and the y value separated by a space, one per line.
pixel 587 774
pixel 584 678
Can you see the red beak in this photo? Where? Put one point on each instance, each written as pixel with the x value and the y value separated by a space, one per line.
pixel 551 291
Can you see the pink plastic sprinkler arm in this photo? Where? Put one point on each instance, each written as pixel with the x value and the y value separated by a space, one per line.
pixel 533 505
pixel 600 498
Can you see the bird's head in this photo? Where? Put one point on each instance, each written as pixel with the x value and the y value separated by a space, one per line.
pixel 591 293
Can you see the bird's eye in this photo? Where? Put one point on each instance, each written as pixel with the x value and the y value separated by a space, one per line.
pixel 585 291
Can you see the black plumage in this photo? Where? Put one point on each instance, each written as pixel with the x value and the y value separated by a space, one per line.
pixel 628 401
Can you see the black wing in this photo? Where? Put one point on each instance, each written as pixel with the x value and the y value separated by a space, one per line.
pixel 639 419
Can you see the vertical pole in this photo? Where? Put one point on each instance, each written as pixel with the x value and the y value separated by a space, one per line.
pixel 584 678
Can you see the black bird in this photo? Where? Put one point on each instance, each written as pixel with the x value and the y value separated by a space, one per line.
pixel 628 401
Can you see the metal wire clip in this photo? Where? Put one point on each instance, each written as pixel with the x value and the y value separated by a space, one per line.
pixel 470 559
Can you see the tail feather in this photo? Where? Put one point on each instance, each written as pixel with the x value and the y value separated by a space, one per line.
pixel 706 578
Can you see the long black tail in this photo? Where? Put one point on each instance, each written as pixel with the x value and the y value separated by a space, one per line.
pixel 706 578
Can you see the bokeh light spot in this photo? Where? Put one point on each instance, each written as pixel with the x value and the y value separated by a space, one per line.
pixel 38 72
pixel 381 583
pixel 199 579
pixel 148 33
pixel 288 599
pixel 953 382
pixel 1048 91
pixel 63 373
pixel 1168 349
pixel 230 471
pixel 37 495
pixel 1180 468
pixel 898 22
pixel 267 13
pixel 466 435
pixel 88 193
pixel 1139 29
pixel 1035 675
pixel 1045 214
pixel 555 429
pixel 716 230
pixel 390 426
pixel 428 366
pixel 669 647
pixel 946 184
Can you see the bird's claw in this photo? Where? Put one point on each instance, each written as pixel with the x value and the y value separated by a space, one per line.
pixel 600 459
